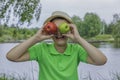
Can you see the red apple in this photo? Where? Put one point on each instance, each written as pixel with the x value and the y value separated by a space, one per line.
pixel 50 28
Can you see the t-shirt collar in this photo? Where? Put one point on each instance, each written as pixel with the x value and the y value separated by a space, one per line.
pixel 55 52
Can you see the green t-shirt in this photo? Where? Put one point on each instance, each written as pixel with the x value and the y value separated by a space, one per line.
pixel 57 66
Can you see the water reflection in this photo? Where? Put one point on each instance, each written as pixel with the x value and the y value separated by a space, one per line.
pixel 106 45
pixel 117 44
pixel 29 70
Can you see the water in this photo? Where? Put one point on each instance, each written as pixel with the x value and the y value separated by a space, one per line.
pixel 29 70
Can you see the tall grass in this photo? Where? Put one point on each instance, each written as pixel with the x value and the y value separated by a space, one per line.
pixel 4 76
pixel 113 75
pixel 116 75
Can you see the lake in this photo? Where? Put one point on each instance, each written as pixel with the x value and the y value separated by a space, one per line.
pixel 29 70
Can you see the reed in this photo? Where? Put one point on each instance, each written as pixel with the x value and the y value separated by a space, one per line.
pixel 4 76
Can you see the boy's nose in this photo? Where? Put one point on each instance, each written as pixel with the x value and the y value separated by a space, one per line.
pixel 58 33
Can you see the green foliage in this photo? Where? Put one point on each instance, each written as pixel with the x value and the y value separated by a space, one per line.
pixel 110 28
pixel 116 32
pixel 92 24
pixel 105 37
pixel 104 28
pixel 78 23
pixel 91 27
pixel 1 31
pixel 8 34
pixel 116 18
pixel 4 76
pixel 25 10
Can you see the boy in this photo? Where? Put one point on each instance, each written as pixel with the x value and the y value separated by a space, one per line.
pixel 59 60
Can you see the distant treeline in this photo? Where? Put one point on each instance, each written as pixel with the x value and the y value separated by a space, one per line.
pixel 15 33
pixel 90 26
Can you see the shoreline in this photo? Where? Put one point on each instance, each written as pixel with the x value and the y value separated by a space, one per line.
pixel 49 41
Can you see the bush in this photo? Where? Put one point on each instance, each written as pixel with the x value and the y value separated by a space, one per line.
pixel 1 40
pixel 7 37
pixel 104 37
pixel 13 76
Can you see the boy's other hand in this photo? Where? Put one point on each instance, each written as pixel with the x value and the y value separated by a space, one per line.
pixel 42 35
pixel 73 34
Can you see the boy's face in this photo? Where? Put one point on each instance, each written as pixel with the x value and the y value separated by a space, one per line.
pixel 59 39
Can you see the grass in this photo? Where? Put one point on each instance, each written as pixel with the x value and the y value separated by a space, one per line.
pixel 113 75
pixel 4 76
pixel 116 75
pixel 105 37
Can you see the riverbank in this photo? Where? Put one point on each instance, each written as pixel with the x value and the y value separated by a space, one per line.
pixel 101 38
pixel 96 39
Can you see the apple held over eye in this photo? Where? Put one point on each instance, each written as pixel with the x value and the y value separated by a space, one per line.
pixel 50 28
pixel 64 28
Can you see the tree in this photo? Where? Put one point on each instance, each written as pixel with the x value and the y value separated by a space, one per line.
pixel 104 28
pixel 110 28
pixel 116 18
pixel 116 32
pixel 92 24
pixel 1 30
pixel 23 11
pixel 78 22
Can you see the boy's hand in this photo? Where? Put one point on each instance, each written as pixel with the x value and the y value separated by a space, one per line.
pixel 42 35
pixel 73 34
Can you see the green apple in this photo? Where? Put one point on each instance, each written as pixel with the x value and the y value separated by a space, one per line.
pixel 64 28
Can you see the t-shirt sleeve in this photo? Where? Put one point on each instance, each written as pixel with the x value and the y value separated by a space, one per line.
pixel 82 54
pixel 35 52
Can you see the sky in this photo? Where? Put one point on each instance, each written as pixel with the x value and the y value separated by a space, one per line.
pixel 103 8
